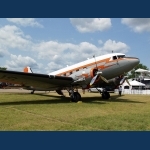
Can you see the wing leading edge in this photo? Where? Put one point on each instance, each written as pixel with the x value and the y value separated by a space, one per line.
pixel 40 81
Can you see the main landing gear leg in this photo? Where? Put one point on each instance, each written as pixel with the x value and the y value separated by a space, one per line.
pixel 74 95
pixel 105 94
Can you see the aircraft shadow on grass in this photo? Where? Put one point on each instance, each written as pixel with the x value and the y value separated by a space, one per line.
pixel 114 98
pixel 61 99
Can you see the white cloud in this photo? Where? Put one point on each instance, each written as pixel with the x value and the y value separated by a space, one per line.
pixel 13 37
pixel 25 22
pixel 62 54
pixel 114 46
pixel 91 24
pixel 52 48
pixel 19 62
pixel 137 24
pixel 100 41
pixel 3 52
pixel 53 66
pixel 56 54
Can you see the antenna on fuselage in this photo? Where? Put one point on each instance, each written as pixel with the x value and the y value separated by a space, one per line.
pixel 95 61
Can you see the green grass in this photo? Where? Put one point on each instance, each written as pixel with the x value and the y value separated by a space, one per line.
pixel 51 112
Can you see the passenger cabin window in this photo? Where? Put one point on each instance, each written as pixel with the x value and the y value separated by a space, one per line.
pixel 64 74
pixel 70 72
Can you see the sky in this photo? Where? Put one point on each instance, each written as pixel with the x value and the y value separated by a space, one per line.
pixel 49 44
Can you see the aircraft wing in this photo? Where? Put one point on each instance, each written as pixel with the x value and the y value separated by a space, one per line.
pixel 38 81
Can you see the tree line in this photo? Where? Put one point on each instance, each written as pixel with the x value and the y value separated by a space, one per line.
pixel 3 68
pixel 132 73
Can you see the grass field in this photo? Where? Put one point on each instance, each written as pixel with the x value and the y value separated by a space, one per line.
pixel 51 112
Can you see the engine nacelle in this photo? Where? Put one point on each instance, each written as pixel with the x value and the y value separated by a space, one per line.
pixel 118 80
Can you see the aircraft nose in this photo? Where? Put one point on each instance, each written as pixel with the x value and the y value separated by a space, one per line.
pixel 134 61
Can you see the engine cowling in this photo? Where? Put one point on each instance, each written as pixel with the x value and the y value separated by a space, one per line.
pixel 93 72
pixel 117 80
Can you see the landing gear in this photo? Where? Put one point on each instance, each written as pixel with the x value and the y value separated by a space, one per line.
pixel 32 92
pixel 74 95
pixel 104 93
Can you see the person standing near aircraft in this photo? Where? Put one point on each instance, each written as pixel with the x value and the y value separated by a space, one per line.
pixel 120 90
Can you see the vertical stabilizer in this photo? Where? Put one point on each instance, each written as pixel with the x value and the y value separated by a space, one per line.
pixel 27 70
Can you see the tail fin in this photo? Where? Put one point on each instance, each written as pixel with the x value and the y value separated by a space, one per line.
pixel 27 70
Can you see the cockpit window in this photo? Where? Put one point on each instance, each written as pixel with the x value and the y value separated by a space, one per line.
pixel 121 56
pixel 114 57
pixel 117 57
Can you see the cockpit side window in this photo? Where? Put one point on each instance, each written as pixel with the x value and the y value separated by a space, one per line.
pixel 114 57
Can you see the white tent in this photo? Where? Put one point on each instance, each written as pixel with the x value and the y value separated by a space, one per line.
pixel 142 71
pixel 133 83
pixel 136 83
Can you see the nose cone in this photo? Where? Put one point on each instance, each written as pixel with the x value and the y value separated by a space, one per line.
pixel 129 63
pixel 135 61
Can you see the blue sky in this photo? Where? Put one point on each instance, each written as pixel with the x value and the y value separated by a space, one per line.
pixel 49 44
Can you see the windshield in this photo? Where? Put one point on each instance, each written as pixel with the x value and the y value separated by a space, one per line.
pixel 121 56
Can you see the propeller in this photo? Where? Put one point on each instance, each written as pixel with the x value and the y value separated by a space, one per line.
pixel 104 79
pixel 124 79
pixel 98 74
pixel 93 80
pixel 128 82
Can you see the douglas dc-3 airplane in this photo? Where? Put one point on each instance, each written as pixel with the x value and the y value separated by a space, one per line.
pixel 94 72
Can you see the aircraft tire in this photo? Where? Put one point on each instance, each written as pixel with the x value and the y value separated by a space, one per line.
pixel 105 95
pixel 75 97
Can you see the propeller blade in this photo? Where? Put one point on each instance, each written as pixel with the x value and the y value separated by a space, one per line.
pixel 93 80
pixel 100 76
pixel 122 80
pixel 128 82
pixel 104 79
